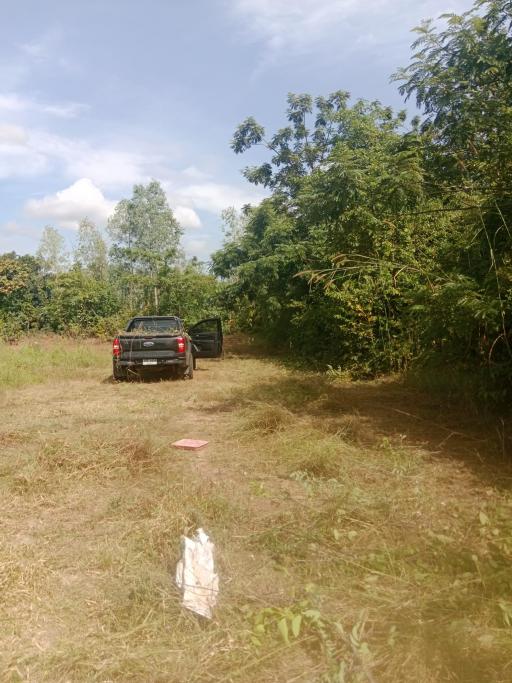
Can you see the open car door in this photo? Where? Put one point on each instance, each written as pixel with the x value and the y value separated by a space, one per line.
pixel 207 338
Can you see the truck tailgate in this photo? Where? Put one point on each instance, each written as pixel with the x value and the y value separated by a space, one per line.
pixel 138 347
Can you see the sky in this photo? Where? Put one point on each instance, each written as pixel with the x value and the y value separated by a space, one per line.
pixel 97 95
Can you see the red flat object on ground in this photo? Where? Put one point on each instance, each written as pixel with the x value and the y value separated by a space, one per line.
pixel 190 444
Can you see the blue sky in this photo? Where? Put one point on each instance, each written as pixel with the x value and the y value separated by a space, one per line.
pixel 96 95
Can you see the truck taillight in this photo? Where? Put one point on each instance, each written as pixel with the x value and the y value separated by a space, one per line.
pixel 116 348
pixel 181 344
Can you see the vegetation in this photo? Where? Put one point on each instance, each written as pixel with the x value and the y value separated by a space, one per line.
pixel 355 541
pixel 96 291
pixel 385 244
pixel 145 238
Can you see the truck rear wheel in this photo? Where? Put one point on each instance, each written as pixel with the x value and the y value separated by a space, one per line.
pixel 117 373
pixel 189 372
pixel 186 373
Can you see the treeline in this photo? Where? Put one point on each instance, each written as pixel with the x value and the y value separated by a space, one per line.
pixel 386 243
pixel 94 290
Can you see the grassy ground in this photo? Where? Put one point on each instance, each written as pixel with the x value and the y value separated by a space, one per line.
pixel 363 532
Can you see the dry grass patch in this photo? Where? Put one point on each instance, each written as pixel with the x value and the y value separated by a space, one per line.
pixel 351 545
pixel 264 418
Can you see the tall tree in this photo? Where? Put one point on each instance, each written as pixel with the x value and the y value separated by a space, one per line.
pixel 461 77
pixel 314 127
pixel 409 230
pixel 145 236
pixel 51 251
pixel 346 202
pixel 91 250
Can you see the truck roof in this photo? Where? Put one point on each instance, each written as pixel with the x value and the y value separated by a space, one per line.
pixel 155 317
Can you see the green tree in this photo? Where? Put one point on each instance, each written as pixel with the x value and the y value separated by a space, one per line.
pixel 79 303
pixel 403 231
pixel 14 275
pixel 190 293
pixel 22 294
pixel 145 237
pixel 51 251
pixel 461 77
pixel 345 203
pixel 314 127
pixel 91 250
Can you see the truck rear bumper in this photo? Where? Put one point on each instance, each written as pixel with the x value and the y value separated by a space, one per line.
pixel 159 362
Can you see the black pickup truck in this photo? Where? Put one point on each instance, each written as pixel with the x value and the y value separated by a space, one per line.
pixel 160 343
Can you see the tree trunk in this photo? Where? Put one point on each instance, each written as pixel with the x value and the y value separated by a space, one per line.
pixel 156 299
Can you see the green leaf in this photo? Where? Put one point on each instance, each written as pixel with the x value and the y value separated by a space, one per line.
pixel 283 630
pixel 296 622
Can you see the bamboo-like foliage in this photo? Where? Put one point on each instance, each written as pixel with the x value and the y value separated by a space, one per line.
pixel 387 243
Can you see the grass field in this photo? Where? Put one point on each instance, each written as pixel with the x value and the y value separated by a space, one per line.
pixel 363 530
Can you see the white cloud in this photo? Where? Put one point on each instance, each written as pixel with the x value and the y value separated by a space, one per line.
pixel 30 152
pixel 210 198
pixel 195 173
pixel 25 153
pixel 11 102
pixel 47 50
pixel 21 61
pixel 44 47
pixel 12 135
pixel 93 173
pixel 15 103
pixel 303 25
pixel 200 246
pixel 37 51
pixel 17 157
pixel 187 217
pixel 68 110
pixel 282 22
pixel 67 207
pixel 214 197
pixel 107 167
pixel 14 228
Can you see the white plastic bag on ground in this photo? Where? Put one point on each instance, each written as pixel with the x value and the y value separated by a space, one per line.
pixel 195 574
